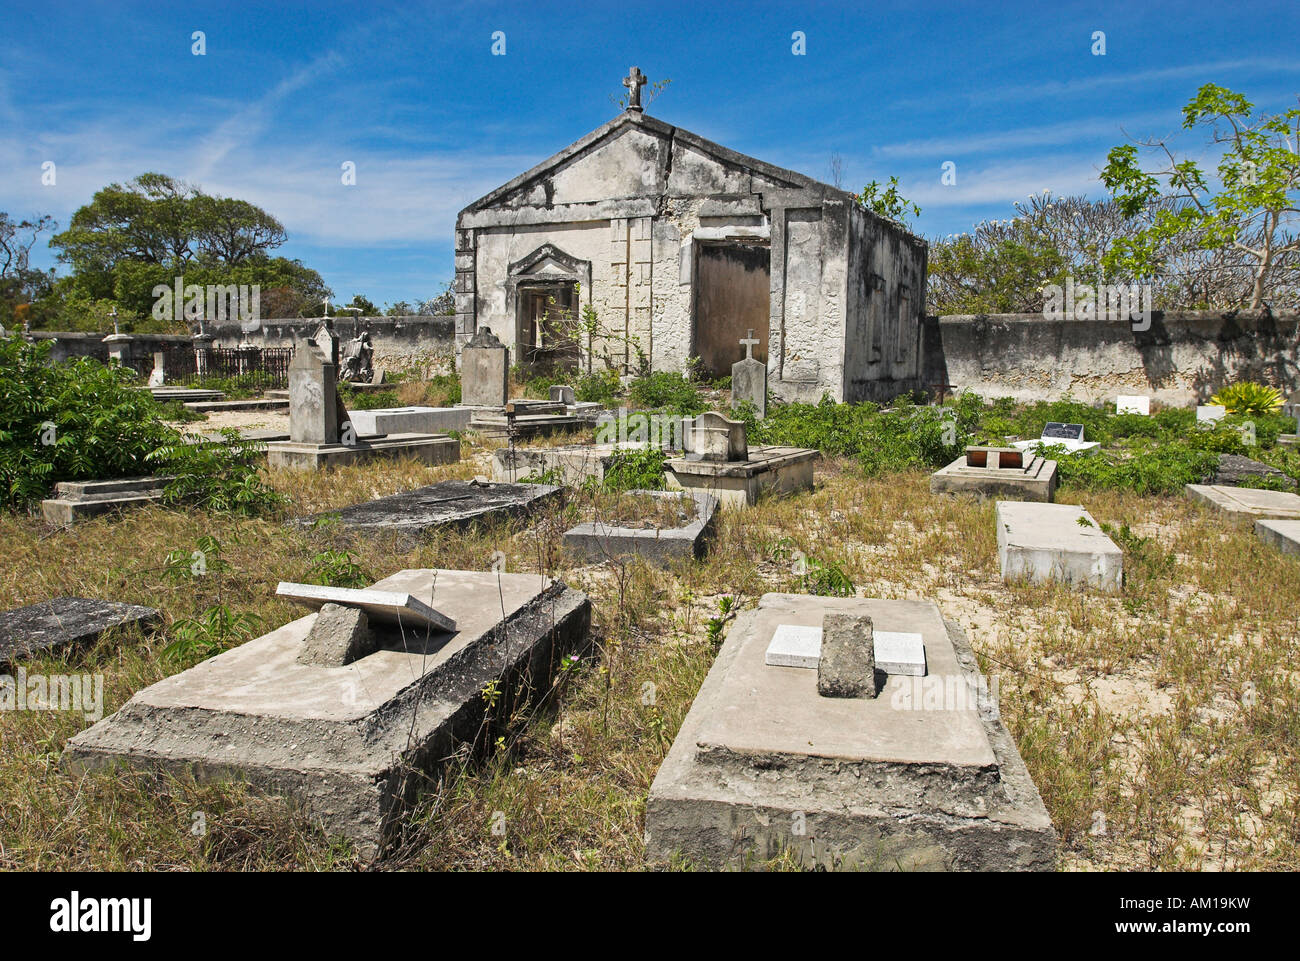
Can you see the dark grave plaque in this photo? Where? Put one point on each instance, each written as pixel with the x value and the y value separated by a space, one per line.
pixel 1055 431
pixel 64 622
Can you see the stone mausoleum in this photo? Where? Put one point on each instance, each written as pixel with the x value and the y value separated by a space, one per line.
pixel 680 246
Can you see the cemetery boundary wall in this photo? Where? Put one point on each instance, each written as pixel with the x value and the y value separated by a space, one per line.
pixel 1183 357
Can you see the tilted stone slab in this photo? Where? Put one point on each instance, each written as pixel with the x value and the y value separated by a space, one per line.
pixel 1056 542
pixel 922 777
pixel 353 744
pixel 410 420
pixel 391 607
pixel 455 505
pixel 63 623
pixel 598 541
pixel 1246 503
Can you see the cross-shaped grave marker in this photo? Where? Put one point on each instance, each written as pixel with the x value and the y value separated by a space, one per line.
pixel 750 343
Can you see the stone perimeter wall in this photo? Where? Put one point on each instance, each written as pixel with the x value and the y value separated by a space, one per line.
pixel 1182 359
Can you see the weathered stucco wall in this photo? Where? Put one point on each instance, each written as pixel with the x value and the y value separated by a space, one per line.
pixel 1182 359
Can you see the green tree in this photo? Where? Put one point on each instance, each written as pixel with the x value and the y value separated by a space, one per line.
pixel 888 202
pixel 19 283
pixel 1251 211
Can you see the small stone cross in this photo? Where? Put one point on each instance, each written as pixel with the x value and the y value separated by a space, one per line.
pixel 750 343
pixel 634 81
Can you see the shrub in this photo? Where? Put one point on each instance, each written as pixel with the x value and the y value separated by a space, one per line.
pixel 666 390
pixel 1248 398
pixel 635 469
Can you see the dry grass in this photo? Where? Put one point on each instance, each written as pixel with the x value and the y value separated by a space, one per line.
pixel 1160 725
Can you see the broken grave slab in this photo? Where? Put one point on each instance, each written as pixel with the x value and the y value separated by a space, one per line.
pixel 1246 503
pixel 391 607
pixel 353 744
pixel 448 504
pixel 62 623
pixel 1056 542
pixel 917 778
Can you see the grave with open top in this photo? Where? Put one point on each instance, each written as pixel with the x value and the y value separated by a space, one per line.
pixel 998 472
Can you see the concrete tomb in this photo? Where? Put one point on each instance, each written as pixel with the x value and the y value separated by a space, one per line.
pixel 1069 436
pixel 719 460
pixel 1246 503
pixel 923 776
pixel 484 371
pixel 453 505
pixel 894 652
pixel 77 500
pixel 571 465
pixel 321 433
pixel 1282 534
pixel 63 623
pixel 998 472
pixel 598 541
pixel 749 378
pixel 1056 542
pixel 525 417
pixel 354 741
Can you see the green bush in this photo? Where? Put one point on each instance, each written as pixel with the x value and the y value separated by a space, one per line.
pixel 81 420
pixel 668 391
pixel 635 469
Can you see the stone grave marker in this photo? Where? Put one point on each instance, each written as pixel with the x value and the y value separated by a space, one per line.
pixel 159 376
pixel 713 437
pixel 1069 436
pixel 485 371
pixel 847 665
pixel 998 471
pixel 313 397
pixel 563 394
pixel 749 378
pixel 1133 404
pixel 1056 542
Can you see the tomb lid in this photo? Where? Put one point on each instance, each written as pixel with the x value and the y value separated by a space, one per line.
pixel 392 607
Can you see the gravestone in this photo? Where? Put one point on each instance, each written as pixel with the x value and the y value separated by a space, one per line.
pixel 1069 436
pixel 716 438
pixel 1234 469
pixel 485 371
pixel 1282 534
pixel 563 394
pixel 1246 503
pixel 749 379
pixel 596 540
pixel 55 626
pixel 1133 404
pixel 847 664
pixel 339 636
pixel 159 375
pixel 327 342
pixel 313 397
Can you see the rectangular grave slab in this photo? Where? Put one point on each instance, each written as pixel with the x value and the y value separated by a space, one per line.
pixel 455 505
pixel 64 623
pixel 410 420
pixel 990 472
pixel 390 607
pixel 432 449
pixel 1246 503
pixel 917 778
pixel 1284 535
pixel 353 744
pixel 768 470
pixel 571 465
pixel 595 541
pixel 74 501
pixel 1056 542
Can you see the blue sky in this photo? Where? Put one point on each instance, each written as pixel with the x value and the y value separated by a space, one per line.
pixel 287 92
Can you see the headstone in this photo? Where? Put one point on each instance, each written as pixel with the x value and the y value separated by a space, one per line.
pixel 847 666
pixel 714 437
pixel 313 398
pixel 76 500
pixel 1133 404
pixel 389 607
pixel 55 626
pixel 749 379
pixel 339 636
pixel 563 394
pixel 1210 413
pixel 485 371
pixel 159 375
pixel 327 342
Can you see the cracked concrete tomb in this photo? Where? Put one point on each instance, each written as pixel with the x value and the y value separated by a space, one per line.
pixel 595 541
pixel 719 461
pixel 454 505
pixel 679 246
pixel 924 776
pixel 998 472
pixel 63 623
pixel 1056 542
pixel 354 743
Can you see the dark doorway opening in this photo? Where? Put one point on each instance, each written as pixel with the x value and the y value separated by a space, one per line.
pixel 733 294
pixel 546 316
